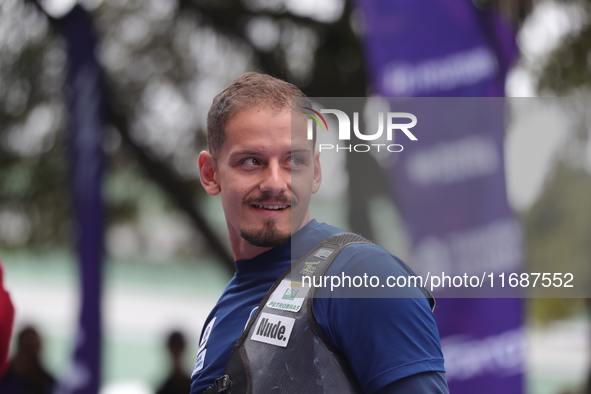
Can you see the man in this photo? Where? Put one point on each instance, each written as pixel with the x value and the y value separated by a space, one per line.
pixel 266 174
pixel 177 381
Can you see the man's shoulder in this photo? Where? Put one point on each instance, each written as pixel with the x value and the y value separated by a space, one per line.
pixel 317 232
pixel 311 235
pixel 381 274
pixel 356 256
pixel 370 256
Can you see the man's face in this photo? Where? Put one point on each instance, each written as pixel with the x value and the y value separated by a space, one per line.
pixel 265 174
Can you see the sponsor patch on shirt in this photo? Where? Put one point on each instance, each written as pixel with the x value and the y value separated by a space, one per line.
pixel 323 253
pixel 200 362
pixel 273 329
pixel 205 336
pixel 288 296
pixel 309 268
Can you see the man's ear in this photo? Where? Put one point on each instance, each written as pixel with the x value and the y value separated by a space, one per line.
pixel 208 173
pixel 317 173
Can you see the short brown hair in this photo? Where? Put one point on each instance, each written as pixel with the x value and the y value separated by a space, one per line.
pixel 248 91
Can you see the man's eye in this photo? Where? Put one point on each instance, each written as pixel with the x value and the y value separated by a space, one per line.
pixel 250 161
pixel 296 161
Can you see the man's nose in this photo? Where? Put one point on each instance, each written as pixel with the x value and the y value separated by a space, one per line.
pixel 275 179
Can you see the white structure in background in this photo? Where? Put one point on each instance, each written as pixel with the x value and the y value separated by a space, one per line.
pixel 127 388
pixel 532 143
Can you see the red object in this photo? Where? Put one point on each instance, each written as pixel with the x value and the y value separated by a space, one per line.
pixel 6 320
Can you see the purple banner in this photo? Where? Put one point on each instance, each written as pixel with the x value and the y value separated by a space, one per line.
pixel 436 48
pixel 450 184
pixel 85 125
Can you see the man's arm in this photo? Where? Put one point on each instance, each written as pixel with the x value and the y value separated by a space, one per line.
pixel 389 334
pixel 424 383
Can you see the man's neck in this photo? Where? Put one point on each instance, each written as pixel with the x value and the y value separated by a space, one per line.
pixel 246 251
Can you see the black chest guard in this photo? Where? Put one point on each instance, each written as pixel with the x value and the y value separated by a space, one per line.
pixel 282 349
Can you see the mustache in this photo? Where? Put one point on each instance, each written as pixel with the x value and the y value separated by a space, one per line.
pixel 268 198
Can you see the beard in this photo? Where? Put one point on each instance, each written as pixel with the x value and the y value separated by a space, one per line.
pixel 267 237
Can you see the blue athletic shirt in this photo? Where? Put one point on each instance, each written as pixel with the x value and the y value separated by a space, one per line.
pixel 384 339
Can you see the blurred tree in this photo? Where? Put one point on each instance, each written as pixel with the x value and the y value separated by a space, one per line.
pixel 557 232
pixel 559 225
pixel 164 61
pixel 32 167
pixel 568 67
